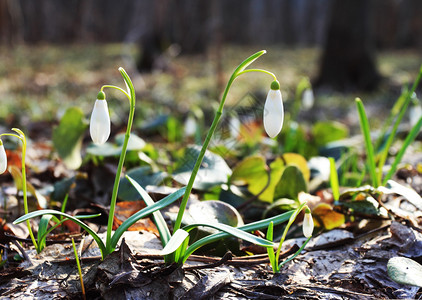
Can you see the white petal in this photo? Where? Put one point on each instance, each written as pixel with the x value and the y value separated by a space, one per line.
pixel 308 225
pixel 3 160
pixel 99 127
pixel 273 113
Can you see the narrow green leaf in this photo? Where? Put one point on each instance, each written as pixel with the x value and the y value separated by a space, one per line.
pixel 62 220
pixel 270 251
pixel 364 124
pixel 247 62
pixel 72 218
pixel 175 242
pixel 143 213
pixel 234 231
pixel 249 227
pixel 157 216
pixel 409 139
pixel 180 252
pixel 334 179
pixel 42 229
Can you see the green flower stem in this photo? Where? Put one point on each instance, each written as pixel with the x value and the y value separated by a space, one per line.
pixel 117 88
pixel 22 137
pixel 291 220
pixel 296 254
pixel 237 72
pixel 132 100
pixel 257 70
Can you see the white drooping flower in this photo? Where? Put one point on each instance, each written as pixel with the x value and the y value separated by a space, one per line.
pixel 308 224
pixel 3 158
pixel 308 99
pixel 415 113
pixel 273 111
pixel 99 126
pixel 190 126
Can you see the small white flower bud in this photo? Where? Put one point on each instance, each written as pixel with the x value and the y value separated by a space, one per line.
pixel 273 111
pixel 3 158
pixel 308 99
pixel 99 127
pixel 308 224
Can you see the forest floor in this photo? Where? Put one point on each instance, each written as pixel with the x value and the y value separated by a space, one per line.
pixel 40 82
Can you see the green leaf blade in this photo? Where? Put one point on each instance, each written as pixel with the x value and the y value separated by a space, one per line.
pixel 175 242
pixel 143 213
pixel 39 213
pixel 157 216
pixel 234 231
pixel 364 124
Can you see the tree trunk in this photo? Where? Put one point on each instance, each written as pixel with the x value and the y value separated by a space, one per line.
pixel 348 57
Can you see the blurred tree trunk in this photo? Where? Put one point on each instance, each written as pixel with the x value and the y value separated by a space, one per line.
pixel 348 56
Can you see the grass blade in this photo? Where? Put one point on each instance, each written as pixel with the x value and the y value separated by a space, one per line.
pixel 409 139
pixel 334 179
pixel 234 231
pixel 157 216
pixel 143 213
pixel 42 229
pixel 364 124
pixel 175 242
pixel 270 251
pixel 249 227
pixel 39 213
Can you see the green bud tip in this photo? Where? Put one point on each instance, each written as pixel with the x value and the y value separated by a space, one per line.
pixel 275 85
pixel 307 210
pixel 101 95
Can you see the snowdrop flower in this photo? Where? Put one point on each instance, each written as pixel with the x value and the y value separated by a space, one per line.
pixel 3 158
pixel 308 99
pixel 99 126
pixel 308 223
pixel 190 126
pixel 273 110
pixel 415 113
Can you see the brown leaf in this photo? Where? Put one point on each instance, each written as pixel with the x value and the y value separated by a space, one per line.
pixel 325 216
pixel 125 209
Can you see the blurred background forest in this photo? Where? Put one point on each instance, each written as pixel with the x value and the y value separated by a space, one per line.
pixel 58 53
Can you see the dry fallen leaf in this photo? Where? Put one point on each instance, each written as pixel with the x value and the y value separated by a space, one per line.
pixel 125 209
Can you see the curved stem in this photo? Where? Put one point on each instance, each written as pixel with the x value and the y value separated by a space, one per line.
pixel 132 100
pixel 117 88
pixel 258 70
pixel 24 188
pixel 237 72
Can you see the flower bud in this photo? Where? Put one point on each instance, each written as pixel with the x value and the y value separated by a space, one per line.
pixel 3 158
pixel 308 99
pixel 273 111
pixel 308 223
pixel 99 126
